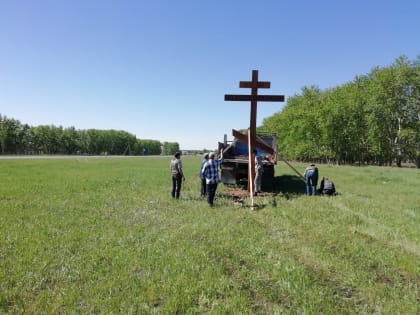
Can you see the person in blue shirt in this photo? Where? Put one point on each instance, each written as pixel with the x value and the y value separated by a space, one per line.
pixel 202 178
pixel 210 172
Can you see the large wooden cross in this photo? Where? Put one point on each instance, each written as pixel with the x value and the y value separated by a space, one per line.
pixel 254 85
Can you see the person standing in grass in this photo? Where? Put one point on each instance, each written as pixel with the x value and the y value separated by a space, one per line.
pixel 311 177
pixel 210 172
pixel 177 175
pixel 259 169
pixel 315 180
pixel 202 178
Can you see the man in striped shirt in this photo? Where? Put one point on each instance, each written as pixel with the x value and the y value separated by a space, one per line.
pixel 210 172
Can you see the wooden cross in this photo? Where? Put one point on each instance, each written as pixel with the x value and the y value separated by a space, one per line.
pixel 254 85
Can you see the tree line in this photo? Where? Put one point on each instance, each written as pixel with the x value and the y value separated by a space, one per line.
pixel 374 119
pixel 18 138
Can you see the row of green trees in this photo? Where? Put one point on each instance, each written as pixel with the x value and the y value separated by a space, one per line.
pixel 373 119
pixel 17 138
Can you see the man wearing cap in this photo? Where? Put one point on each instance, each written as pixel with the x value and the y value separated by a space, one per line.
pixel 177 175
pixel 210 172
pixel 202 178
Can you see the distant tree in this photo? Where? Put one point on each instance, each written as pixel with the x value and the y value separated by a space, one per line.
pixel 41 139
pixel 298 135
pixel 16 138
pixel 70 141
pixel 374 118
pixel 170 148
pixel 118 142
pixel 394 110
pixel 147 147
pixel 27 140
pixel 10 135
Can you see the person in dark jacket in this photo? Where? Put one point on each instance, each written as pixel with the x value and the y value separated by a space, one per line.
pixel 327 187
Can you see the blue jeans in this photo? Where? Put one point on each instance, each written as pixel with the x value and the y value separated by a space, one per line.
pixel 310 190
pixel 311 182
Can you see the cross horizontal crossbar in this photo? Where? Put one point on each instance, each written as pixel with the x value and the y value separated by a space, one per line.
pixel 259 98
pixel 251 84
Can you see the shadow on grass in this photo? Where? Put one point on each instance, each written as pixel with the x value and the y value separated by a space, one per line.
pixel 285 185
pixel 289 184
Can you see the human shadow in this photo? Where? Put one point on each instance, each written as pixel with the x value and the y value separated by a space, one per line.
pixel 288 184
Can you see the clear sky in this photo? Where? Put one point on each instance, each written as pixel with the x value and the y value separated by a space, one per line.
pixel 159 69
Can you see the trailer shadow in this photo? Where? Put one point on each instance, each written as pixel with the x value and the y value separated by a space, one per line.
pixel 288 184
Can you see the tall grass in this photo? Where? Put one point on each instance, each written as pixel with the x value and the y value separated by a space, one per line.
pixel 104 236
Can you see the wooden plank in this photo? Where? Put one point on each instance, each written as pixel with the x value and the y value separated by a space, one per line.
pixel 270 98
pixel 259 98
pixel 251 172
pixel 230 97
pixel 258 85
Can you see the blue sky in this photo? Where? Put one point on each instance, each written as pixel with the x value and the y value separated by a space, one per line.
pixel 160 69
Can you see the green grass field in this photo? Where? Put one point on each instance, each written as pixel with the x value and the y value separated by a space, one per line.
pixel 103 236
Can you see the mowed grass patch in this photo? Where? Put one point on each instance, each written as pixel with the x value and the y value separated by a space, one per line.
pixel 103 235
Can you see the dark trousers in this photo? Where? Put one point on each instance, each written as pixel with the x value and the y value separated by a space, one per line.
pixel 211 192
pixel 203 187
pixel 176 185
pixel 328 192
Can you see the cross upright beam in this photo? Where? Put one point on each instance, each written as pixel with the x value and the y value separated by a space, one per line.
pixel 254 85
pixel 254 98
